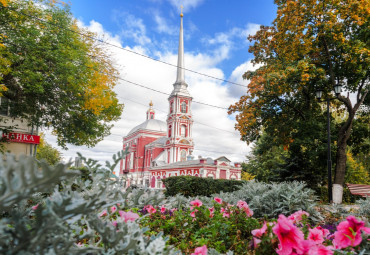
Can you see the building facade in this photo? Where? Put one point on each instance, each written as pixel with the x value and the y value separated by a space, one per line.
pixel 16 135
pixel 158 149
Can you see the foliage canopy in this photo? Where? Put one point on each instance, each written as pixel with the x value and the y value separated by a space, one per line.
pixel 55 75
pixel 311 45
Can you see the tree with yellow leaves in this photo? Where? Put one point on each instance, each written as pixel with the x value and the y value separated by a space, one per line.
pixel 311 45
pixel 56 75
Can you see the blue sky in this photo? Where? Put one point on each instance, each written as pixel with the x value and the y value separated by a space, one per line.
pixel 203 21
pixel 215 34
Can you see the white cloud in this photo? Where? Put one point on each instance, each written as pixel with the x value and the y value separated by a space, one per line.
pixel 237 77
pixel 131 27
pixel 226 41
pixel 187 4
pixel 217 136
pixel 163 26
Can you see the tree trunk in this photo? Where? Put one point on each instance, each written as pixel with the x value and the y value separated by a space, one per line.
pixel 341 160
pixel 341 156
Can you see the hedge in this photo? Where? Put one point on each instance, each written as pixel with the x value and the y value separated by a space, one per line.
pixel 191 186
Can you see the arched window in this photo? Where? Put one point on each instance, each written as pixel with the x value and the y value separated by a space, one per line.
pixel 183 107
pixel 183 155
pixel 183 130
pixel 169 131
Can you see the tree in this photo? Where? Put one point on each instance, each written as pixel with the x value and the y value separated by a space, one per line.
pixel 47 152
pixel 57 76
pixel 310 45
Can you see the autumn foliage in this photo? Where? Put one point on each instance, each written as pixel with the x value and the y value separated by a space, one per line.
pixel 311 45
pixel 55 74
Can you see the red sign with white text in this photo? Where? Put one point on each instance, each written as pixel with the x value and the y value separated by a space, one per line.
pixel 22 138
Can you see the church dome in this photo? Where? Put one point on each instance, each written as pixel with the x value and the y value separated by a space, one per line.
pixel 150 124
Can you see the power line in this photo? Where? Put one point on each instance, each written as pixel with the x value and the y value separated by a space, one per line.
pixel 140 85
pixel 223 153
pixel 131 51
pixel 166 112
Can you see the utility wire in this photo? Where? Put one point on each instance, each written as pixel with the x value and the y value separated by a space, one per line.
pixel 131 51
pixel 166 112
pixel 137 84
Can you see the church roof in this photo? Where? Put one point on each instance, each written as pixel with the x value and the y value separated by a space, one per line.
pixel 186 163
pixel 223 158
pixel 150 124
pixel 159 142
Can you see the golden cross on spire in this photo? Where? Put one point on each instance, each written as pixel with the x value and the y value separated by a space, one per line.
pixel 181 15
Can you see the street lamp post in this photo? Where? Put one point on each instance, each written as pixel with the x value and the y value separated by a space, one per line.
pixel 337 90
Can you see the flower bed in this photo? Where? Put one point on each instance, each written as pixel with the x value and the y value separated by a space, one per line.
pixel 226 227
pixel 54 210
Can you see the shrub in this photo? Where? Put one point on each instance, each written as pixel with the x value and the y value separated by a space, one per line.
pixel 67 221
pixel 271 200
pixel 364 207
pixel 221 227
pixel 231 228
pixel 267 200
pixel 191 186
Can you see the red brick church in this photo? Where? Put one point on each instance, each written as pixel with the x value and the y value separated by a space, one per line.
pixel 159 149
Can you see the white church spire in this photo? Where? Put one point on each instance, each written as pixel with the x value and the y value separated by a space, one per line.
pixel 180 87
pixel 180 57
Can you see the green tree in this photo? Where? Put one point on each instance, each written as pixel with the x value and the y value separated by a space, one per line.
pixel 56 77
pixel 311 45
pixel 47 152
pixel 265 160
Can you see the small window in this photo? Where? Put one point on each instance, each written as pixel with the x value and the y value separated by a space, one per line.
pixel 169 131
pixel 4 106
pixel 183 130
pixel 183 155
pixel 183 107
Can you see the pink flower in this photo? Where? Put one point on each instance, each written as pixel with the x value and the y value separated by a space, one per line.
pixel 349 233
pixel 113 209
pixel 114 223
pixel 192 214
pixel 241 204
pixel 196 203
pixel 324 231
pixel 218 200
pixel 150 209
pixel 321 250
pixel 211 209
pixel 103 213
pixel 307 245
pixel 222 210
pixel 297 216
pixel 248 211
pixel 259 232
pixel 128 216
pixel 244 206
pixel 316 235
pixel 35 207
pixel 256 241
pixel 290 237
pixel 226 215
pixel 211 215
pixel 201 250
pixel 163 209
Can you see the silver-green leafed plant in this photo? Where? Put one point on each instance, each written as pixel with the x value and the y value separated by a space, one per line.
pixel 65 220
pixel 267 200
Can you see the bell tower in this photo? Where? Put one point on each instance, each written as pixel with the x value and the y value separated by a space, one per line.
pixel 179 142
